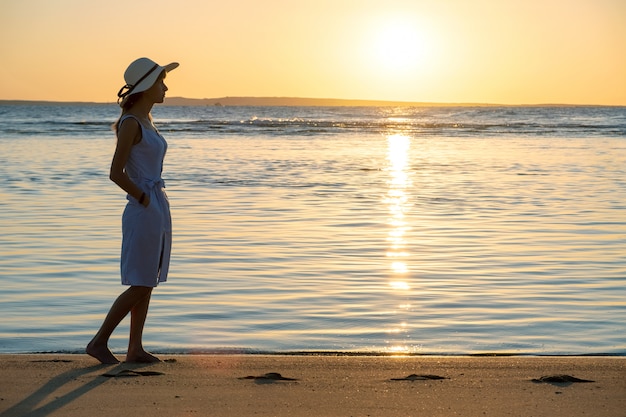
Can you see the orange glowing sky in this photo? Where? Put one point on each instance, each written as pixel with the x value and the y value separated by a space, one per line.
pixel 478 51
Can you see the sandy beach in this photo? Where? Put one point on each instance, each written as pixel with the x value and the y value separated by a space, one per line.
pixel 313 385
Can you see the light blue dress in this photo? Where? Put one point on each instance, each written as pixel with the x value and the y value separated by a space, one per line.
pixel 146 231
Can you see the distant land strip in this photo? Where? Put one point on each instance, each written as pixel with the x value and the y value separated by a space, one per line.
pixel 295 102
pixel 300 102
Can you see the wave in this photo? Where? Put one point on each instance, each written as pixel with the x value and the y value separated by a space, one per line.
pixel 429 128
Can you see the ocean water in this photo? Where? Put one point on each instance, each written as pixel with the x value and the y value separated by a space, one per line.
pixel 441 230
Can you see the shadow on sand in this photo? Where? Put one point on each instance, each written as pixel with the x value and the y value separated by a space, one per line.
pixel 34 405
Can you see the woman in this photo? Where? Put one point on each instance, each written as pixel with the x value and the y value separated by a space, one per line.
pixel 146 222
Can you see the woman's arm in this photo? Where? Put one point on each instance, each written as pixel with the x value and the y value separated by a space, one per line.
pixel 128 135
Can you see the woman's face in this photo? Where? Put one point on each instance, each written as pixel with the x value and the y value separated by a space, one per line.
pixel 156 93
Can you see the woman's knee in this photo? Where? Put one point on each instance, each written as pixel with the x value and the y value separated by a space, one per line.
pixel 140 292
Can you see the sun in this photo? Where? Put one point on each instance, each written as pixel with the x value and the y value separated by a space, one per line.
pixel 398 46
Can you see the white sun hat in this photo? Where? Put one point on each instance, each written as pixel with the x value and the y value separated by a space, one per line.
pixel 140 75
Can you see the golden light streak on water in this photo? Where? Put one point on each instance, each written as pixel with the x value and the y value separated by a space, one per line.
pixel 397 201
pixel 400 285
pixel 398 204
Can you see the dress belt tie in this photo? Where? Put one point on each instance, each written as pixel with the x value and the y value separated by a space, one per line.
pixel 151 183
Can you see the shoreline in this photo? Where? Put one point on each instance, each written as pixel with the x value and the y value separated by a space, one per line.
pixel 340 353
pixel 313 385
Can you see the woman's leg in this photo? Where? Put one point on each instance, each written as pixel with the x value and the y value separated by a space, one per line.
pixel 138 315
pixel 98 347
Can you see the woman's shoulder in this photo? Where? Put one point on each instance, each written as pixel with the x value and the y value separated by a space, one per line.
pixel 144 122
pixel 130 126
pixel 131 116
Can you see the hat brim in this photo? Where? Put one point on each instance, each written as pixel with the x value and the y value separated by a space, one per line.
pixel 170 66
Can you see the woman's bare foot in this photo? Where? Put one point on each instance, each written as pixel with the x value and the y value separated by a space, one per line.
pixel 102 353
pixel 141 357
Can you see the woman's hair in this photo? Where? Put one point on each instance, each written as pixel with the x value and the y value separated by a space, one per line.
pixel 131 100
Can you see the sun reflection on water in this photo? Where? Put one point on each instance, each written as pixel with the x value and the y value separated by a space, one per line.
pixel 399 285
pixel 397 201
pixel 398 204
pixel 399 350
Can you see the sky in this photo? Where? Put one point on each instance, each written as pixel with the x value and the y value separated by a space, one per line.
pixel 443 51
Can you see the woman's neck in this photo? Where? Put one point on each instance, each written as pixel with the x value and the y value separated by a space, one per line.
pixel 142 109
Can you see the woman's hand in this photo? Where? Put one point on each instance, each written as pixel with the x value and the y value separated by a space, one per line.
pixel 144 200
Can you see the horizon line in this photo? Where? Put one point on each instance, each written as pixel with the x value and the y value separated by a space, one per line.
pixel 286 101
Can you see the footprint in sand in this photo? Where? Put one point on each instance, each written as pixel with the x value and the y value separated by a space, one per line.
pixel 415 377
pixel 560 379
pixel 270 376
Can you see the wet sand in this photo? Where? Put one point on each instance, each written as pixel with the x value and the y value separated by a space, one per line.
pixel 313 385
